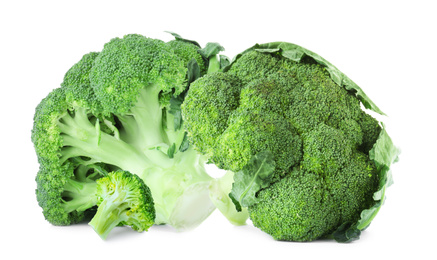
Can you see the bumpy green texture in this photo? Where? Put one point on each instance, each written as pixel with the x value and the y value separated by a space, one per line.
pixel 119 109
pixel 63 177
pixel 297 208
pixel 122 198
pixel 291 103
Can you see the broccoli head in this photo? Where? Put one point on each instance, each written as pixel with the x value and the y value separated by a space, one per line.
pixel 283 101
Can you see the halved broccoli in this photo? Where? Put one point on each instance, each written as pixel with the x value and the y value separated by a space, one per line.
pixel 119 109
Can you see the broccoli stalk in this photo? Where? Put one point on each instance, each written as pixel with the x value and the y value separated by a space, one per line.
pixel 83 138
pixel 79 196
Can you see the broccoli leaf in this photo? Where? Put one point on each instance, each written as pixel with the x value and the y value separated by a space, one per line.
pixel 175 110
pixel 346 233
pixel 179 38
pixel 211 49
pixel 384 153
pixel 255 175
pixel 193 73
pixel 224 61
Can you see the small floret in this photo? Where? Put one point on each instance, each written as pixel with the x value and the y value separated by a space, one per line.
pixel 122 198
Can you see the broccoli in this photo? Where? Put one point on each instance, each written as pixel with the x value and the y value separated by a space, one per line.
pixel 122 198
pixel 124 141
pixel 119 109
pixel 308 161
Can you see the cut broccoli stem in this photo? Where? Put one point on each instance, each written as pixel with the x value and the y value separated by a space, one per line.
pixel 79 196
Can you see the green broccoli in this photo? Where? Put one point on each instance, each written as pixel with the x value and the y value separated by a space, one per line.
pixel 296 208
pixel 119 109
pixel 306 156
pixel 122 198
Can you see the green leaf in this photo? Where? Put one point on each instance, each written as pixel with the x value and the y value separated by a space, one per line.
pixel 384 153
pixel 219 194
pixel 224 61
pixel 171 151
pixel 185 144
pixel 255 175
pixel 346 233
pixel 193 71
pixel 236 203
pixel 193 74
pixel 178 37
pixel 175 110
pixel 211 49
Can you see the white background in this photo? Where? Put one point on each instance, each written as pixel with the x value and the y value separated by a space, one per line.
pixel 386 47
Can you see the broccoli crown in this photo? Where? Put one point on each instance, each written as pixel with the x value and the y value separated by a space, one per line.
pixel 265 102
pixel 77 85
pixel 315 128
pixel 130 64
pixel 118 109
pixel 122 198
pixel 214 112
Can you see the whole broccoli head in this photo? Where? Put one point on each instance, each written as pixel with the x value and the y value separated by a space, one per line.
pixel 282 101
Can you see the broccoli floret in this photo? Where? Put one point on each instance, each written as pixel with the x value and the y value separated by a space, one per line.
pixel 333 185
pixel 249 133
pixel 122 198
pixel 207 108
pixel 282 99
pixel 326 150
pixel 119 109
pixel 296 208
